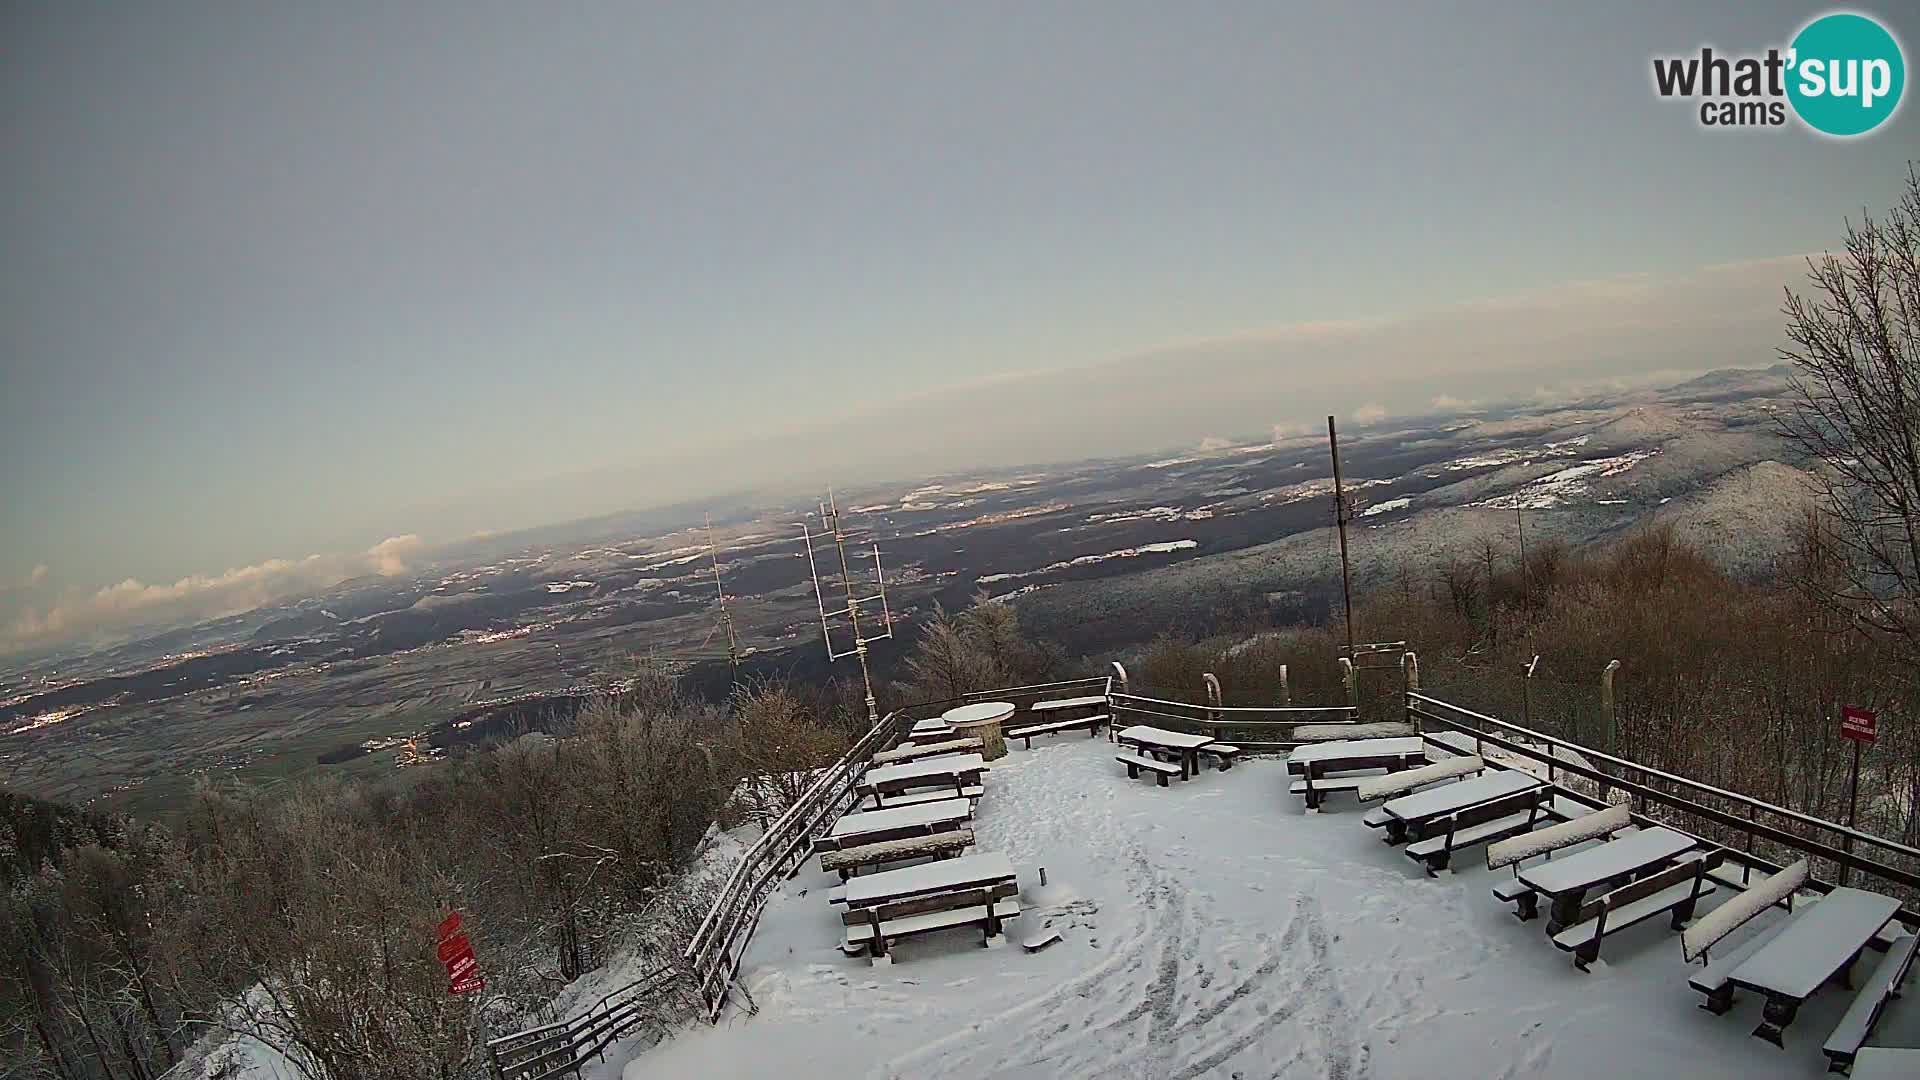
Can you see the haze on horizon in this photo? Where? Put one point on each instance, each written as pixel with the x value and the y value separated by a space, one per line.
pixel 353 279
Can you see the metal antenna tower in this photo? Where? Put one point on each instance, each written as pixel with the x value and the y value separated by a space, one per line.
pixel 830 523
pixel 726 618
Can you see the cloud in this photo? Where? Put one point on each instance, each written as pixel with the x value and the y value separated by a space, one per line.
pixel 1449 403
pixel 38 577
pixel 131 603
pixel 1370 413
pixel 390 555
pixel 1214 442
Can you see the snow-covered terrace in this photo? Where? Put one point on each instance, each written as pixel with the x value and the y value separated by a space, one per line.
pixel 1214 928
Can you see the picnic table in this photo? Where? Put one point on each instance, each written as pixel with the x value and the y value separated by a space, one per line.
pixel 1566 881
pixel 982 719
pixel 1820 943
pixel 1341 751
pixel 874 826
pixel 1408 813
pixel 1147 737
pixel 982 870
pixel 958 771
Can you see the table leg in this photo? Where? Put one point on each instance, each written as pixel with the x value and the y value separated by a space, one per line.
pixel 1843 977
pixel 1775 1016
pixel 1527 908
pixel 1565 910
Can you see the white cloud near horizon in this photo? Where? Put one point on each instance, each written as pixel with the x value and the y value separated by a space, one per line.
pixel 131 603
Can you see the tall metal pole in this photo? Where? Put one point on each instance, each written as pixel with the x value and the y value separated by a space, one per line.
pixel 726 620
pixel 1340 521
pixel 853 609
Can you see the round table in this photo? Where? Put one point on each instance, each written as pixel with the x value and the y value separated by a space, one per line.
pixel 982 719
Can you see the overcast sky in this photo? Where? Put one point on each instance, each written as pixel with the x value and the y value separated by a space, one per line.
pixel 280 279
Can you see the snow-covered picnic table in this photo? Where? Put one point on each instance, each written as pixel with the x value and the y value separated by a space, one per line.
pixel 1188 746
pixel 1408 812
pixel 982 720
pixel 876 825
pixel 982 870
pixel 1821 941
pixel 958 771
pixel 1567 880
pixel 1343 750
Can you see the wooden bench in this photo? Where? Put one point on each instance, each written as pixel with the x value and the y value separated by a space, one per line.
pixel 1676 889
pixel 1137 762
pixel 1026 734
pixel 874 929
pixel 1221 753
pixel 1316 786
pixel 1860 1017
pixel 1406 780
pixel 916 751
pixel 938 845
pixel 1496 819
pixel 969 792
pixel 1516 849
pixel 1886 1063
pixel 1711 980
pixel 1514 891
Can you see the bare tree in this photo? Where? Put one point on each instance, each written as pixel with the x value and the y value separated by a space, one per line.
pixel 1856 354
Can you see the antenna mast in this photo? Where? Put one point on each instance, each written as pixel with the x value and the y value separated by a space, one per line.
pixel 726 617
pixel 830 521
pixel 1340 516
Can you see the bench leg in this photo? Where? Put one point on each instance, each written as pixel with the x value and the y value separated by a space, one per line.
pixel 1775 1016
pixel 1586 954
pixel 1719 1001
pixel 1527 907
pixel 1437 862
pixel 1162 778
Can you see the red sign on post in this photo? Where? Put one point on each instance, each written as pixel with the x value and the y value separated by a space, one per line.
pixel 455 951
pixel 1857 723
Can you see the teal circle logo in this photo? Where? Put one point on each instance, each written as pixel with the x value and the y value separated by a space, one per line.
pixel 1846 74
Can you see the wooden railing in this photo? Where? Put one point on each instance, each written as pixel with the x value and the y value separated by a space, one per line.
pixel 552 1050
pixel 1254 728
pixel 1762 835
pixel 712 958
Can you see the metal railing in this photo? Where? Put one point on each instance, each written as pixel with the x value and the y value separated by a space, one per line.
pixel 1716 815
pixel 712 958
pixel 556 1049
pixel 1253 728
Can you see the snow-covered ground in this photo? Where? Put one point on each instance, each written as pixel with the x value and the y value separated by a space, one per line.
pixel 1215 929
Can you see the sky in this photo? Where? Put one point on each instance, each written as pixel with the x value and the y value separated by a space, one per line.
pixel 305 287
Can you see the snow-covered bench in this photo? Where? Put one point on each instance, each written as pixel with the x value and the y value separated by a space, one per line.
pixel 1495 819
pixel 1221 753
pixel 1027 734
pixel 874 929
pixel 917 751
pixel 935 845
pixel 1399 783
pixel 1515 850
pixel 1858 1022
pixel 1136 762
pixel 1676 889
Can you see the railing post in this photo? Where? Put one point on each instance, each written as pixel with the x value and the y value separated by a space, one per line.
pixel 1352 684
pixel 1213 695
pixel 1286 692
